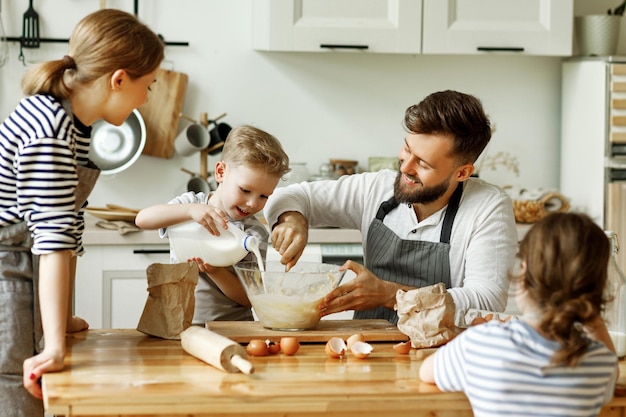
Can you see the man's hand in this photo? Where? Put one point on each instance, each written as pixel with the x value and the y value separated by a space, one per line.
pixel 364 292
pixel 289 237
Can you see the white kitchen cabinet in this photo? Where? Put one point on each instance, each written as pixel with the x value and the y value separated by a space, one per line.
pixel 337 25
pixel 533 27
pixel 111 284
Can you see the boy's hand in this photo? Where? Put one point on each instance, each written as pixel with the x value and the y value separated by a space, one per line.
pixel 211 218
pixel 203 266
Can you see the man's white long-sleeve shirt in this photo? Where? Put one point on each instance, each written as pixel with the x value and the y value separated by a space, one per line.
pixel 482 245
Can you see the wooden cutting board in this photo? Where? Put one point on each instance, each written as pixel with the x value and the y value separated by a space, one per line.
pixel 162 112
pixel 373 330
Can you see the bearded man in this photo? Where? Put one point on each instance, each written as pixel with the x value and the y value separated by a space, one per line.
pixel 428 222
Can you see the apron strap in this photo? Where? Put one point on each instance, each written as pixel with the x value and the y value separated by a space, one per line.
pixel 386 207
pixel 448 220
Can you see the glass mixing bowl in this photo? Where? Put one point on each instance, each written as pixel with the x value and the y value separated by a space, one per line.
pixel 288 300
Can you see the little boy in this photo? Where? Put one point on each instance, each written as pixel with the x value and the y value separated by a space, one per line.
pixel 252 163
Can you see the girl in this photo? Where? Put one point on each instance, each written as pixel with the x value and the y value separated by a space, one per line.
pixel 558 359
pixel 45 178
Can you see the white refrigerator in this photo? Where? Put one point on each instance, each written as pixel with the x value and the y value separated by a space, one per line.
pixel 593 141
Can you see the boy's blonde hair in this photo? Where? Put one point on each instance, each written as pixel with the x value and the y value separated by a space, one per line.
pixel 101 43
pixel 250 146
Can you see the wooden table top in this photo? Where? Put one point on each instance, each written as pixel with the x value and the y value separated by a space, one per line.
pixel 124 372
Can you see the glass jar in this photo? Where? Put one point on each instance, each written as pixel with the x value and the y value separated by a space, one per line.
pixel 299 173
pixel 615 309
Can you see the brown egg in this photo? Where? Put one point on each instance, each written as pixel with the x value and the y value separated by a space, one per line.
pixel 489 317
pixel 403 347
pixel 289 345
pixel 257 347
pixel 272 347
pixel 336 347
pixel 357 337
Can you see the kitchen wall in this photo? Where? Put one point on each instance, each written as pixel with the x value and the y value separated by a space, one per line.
pixel 321 106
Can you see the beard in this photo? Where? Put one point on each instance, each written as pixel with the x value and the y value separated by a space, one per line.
pixel 423 195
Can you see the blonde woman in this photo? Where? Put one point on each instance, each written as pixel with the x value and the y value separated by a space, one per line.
pixel 45 178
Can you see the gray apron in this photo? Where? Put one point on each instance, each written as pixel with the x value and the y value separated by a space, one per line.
pixel 416 263
pixel 20 318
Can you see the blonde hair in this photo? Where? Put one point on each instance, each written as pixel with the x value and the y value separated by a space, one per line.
pixel 248 145
pixel 101 43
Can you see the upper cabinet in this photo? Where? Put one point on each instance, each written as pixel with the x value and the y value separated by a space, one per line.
pixel 532 27
pixel 331 25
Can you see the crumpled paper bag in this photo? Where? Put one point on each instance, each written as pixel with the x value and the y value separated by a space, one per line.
pixel 426 315
pixel 171 300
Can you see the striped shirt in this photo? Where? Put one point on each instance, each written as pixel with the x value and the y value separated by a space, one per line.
pixel 40 147
pixel 504 369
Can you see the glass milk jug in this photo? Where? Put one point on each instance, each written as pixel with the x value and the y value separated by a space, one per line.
pixel 615 313
pixel 191 240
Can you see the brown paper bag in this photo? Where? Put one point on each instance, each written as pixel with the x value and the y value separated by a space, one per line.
pixel 426 315
pixel 169 307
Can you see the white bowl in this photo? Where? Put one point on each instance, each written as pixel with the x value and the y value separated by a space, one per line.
pixel 115 148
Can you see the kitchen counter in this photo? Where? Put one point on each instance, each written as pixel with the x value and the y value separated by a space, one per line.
pixel 95 235
pixel 124 372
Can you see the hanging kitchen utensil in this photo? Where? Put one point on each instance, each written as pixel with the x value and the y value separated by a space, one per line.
pixel 4 46
pixel 30 31
pixel 30 28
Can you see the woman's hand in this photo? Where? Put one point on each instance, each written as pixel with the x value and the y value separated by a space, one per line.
pixel 38 365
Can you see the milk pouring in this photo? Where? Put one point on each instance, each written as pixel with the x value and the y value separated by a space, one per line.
pixel 191 240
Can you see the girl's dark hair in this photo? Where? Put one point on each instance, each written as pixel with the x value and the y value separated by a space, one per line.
pixel 460 116
pixel 101 43
pixel 566 256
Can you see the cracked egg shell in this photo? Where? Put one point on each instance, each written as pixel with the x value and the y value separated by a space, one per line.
pixel 272 347
pixel 336 347
pixel 361 350
pixel 403 347
pixel 357 337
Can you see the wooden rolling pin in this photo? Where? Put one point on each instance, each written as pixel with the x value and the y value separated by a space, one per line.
pixel 216 350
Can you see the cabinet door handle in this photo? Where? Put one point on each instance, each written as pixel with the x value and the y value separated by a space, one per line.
pixel 500 49
pixel 342 46
pixel 149 251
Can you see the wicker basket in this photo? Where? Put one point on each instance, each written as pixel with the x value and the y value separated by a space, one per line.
pixel 530 211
